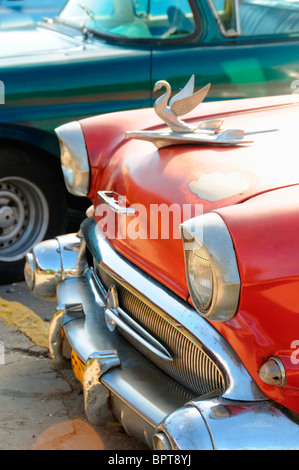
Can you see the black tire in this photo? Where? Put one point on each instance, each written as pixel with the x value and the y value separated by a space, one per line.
pixel 32 208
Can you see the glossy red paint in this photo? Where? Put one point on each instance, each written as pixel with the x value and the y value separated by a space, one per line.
pixel 253 188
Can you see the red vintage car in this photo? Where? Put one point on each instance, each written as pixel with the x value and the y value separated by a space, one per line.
pixel 178 299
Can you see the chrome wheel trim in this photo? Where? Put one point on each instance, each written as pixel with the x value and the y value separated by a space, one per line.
pixel 24 217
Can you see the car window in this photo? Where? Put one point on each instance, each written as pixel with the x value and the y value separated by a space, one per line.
pixel 227 17
pixel 140 19
pixel 257 17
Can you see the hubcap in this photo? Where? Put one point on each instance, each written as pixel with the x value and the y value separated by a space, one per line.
pixel 24 217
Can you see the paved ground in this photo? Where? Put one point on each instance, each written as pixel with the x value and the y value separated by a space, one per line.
pixel 19 292
pixel 42 408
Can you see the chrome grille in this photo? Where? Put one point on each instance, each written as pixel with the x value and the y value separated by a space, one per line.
pixel 190 366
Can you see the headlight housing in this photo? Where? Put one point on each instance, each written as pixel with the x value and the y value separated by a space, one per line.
pixel 211 267
pixel 74 158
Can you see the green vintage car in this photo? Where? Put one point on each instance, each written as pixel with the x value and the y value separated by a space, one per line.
pixel 99 56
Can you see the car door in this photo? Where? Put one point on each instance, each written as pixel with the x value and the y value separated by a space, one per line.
pixel 256 54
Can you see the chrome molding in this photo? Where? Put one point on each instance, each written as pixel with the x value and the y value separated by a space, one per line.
pixel 240 386
pixel 114 316
pixel 147 340
pixel 96 288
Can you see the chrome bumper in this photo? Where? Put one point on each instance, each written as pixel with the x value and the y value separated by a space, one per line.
pixel 149 404
pixel 140 395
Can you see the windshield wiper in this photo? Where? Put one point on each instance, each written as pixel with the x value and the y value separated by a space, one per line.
pixel 89 12
pixel 83 29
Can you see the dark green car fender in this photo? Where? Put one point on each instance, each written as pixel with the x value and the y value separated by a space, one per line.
pixel 30 137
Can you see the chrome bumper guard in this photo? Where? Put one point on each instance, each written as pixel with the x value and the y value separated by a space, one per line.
pixel 139 394
pixel 149 404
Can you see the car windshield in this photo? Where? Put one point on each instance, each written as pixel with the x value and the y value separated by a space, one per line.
pixel 139 19
pixel 257 17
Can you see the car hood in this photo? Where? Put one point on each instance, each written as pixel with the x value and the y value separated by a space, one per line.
pixel 193 178
pixel 35 40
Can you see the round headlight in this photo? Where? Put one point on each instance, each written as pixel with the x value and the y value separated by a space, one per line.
pixel 201 276
pixel 211 267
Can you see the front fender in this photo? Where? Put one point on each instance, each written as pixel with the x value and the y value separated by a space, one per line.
pixel 265 231
pixel 42 140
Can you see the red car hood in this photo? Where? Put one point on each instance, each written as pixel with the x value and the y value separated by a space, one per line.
pixel 183 177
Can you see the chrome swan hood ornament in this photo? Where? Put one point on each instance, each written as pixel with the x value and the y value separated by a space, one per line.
pixel 180 132
pixel 182 103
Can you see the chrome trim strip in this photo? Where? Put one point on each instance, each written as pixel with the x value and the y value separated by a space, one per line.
pixel 240 385
pixel 148 341
pixel 96 288
pixel 113 318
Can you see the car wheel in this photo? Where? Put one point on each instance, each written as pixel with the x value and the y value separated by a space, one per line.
pixel 32 208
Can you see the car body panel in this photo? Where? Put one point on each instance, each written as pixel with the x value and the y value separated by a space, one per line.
pixel 264 231
pixel 56 61
pixel 31 42
pixel 253 187
pixel 237 67
pixel 188 175
pixel 236 70
pixel 16 10
pixel 54 90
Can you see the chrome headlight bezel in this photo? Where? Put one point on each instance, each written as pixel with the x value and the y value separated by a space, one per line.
pixel 210 232
pixel 74 158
